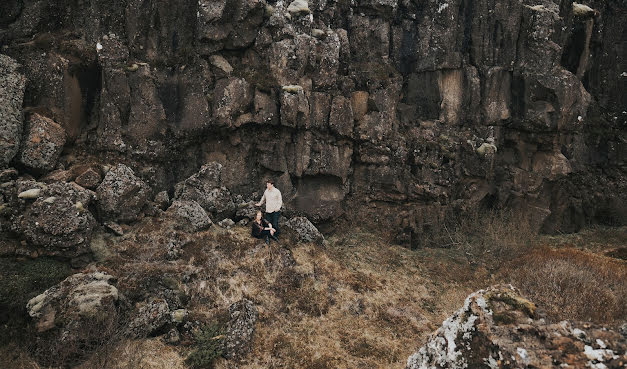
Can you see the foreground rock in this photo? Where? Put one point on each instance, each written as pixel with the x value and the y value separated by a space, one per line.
pixel 12 85
pixel 305 230
pixel 240 329
pixel 57 220
pixel 122 195
pixel 80 296
pixel 77 315
pixel 497 328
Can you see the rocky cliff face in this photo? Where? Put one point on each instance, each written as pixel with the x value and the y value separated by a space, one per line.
pixel 414 108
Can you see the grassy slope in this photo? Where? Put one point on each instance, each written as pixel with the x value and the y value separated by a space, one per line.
pixel 358 302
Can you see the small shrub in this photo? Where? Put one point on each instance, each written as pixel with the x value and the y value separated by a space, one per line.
pixel 209 342
pixel 489 235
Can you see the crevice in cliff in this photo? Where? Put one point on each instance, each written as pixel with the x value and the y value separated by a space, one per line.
pixel 577 50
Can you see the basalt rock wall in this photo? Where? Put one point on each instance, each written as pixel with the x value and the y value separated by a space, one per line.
pixel 406 110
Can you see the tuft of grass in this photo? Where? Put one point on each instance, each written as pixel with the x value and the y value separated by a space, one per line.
pixel 208 346
pixel 572 284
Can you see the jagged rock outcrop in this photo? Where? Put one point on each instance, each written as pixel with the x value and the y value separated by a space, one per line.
pixel 497 328
pixel 205 189
pixel 401 114
pixel 305 230
pixel 189 216
pixel 79 297
pixel 121 194
pixel 149 318
pixel 12 85
pixel 240 329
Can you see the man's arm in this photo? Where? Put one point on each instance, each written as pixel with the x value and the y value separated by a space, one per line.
pixel 280 201
pixel 263 198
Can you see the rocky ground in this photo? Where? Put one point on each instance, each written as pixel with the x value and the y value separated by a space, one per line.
pixel 352 300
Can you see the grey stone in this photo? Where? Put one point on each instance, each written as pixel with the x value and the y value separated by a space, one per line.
pixel 43 143
pixel 188 216
pixel 12 85
pixel 121 194
pixel 305 230
pixel 78 299
pixel 240 329
pixel 149 318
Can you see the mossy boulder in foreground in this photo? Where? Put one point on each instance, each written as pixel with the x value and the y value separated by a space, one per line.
pixel 498 328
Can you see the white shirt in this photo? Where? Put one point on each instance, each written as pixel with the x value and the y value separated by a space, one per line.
pixel 273 200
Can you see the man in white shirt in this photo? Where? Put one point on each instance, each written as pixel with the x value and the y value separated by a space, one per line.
pixel 274 202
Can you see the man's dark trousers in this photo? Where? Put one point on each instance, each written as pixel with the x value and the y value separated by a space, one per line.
pixel 273 218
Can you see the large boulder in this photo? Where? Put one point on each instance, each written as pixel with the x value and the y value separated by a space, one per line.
pixel 240 329
pixel 497 328
pixel 79 296
pixel 205 188
pixel 246 210
pixel 189 216
pixel 12 85
pixel 76 315
pixel 122 195
pixel 149 318
pixel 43 143
pixel 305 230
pixel 58 219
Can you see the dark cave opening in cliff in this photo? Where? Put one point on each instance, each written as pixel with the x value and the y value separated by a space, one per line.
pixel 90 82
pixel 574 48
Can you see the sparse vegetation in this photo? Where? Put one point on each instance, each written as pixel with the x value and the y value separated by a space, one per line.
pixel 208 343
pixel 360 301
pixel 489 236
pixel 572 284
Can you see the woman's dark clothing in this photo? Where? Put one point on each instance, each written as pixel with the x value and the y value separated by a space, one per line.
pixel 258 229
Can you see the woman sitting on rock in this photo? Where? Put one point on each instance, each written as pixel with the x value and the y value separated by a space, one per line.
pixel 263 229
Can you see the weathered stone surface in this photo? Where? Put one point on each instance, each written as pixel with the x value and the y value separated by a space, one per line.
pixel 79 299
pixel 247 210
pixel 58 220
pixel 74 317
pixel 149 318
pixel 232 97
pixel 43 142
pixel 240 329
pixel 294 108
pixel 122 195
pixel 189 216
pixel 226 223
pixel 162 199
pixel 305 231
pixel 341 118
pixel 90 178
pixel 12 85
pixel 497 327
pixel 205 189
pixel 447 99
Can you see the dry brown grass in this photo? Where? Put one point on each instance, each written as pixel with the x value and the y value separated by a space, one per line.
pixel 489 236
pixel 572 284
pixel 358 303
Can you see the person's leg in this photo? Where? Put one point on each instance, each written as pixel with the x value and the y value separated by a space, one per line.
pixel 265 235
pixel 275 222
